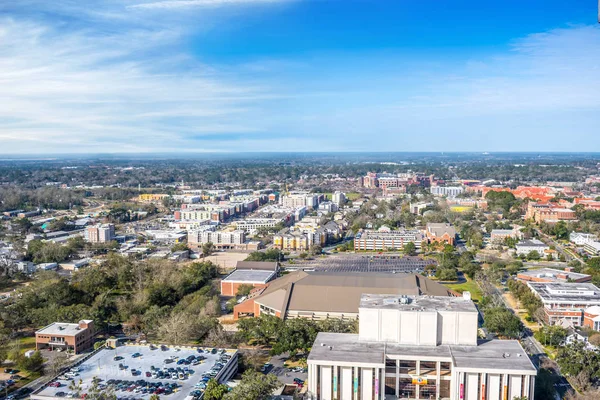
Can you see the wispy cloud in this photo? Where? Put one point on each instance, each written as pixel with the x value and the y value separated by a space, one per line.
pixel 178 4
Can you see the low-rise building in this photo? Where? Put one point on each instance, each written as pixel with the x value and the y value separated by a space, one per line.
pixel 386 239
pixel 592 248
pixel 322 295
pixel 566 300
pixel 251 225
pixel 548 212
pixel 591 318
pixel 74 337
pixel 256 278
pixel 417 347
pixel 525 247
pixel 552 275
pixel 499 235
pixel 441 233
pixel 581 239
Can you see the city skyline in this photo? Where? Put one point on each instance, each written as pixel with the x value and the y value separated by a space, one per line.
pixel 149 76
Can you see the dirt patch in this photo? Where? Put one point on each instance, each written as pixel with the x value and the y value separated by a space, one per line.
pixel 226 260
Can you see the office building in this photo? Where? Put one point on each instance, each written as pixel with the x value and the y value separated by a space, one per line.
pixel 548 212
pixel 565 300
pixel 499 235
pixel 525 247
pixel 417 347
pixel 552 275
pixel 102 233
pixel 592 248
pixel 74 337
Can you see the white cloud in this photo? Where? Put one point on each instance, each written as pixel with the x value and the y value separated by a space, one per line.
pixel 178 4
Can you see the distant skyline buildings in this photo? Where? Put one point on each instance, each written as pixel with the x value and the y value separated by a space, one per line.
pixel 214 76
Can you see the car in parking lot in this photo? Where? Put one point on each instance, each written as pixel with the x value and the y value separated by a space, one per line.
pixel 136 355
pixel 117 358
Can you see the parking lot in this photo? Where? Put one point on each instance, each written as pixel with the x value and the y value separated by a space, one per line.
pixel 125 367
pixel 284 374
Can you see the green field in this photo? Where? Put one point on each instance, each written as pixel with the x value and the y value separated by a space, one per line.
pixel 468 286
pixel 353 196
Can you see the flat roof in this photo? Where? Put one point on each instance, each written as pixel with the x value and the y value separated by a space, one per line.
pixel 566 291
pixel 420 303
pixel 61 328
pixel 552 273
pixel 250 275
pixel 103 365
pixel 532 243
pixel 487 355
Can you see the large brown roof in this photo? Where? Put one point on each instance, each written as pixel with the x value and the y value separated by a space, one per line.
pixel 260 265
pixel 340 292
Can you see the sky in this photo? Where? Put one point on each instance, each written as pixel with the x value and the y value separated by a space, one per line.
pixel 129 76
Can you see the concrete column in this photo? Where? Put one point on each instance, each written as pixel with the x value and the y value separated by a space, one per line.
pixel 505 384
pixel 355 383
pixel 397 378
pixel 484 387
pixel 437 377
pixel 381 383
pixel 336 382
pixel 418 387
pixel 532 388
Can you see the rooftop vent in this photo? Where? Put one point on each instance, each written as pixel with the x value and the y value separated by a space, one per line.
pixel 404 300
pixel 506 355
pixel 391 301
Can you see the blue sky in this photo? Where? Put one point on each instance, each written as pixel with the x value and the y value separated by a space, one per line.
pixel 78 76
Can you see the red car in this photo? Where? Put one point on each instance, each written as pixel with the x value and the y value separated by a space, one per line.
pixel 54 384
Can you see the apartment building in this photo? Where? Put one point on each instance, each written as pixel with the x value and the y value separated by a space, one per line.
pixel 152 198
pixel 102 233
pixel 74 337
pixel 220 239
pixel 250 225
pixel 566 300
pixel 338 198
pixel 385 238
pixel 417 347
pixel 296 200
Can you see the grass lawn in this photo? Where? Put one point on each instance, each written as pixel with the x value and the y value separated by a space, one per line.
pixel 468 286
pixel 26 343
pixel 353 196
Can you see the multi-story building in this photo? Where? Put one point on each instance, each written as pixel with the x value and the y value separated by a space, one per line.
pixel 102 233
pixel 338 198
pixel 74 337
pixel 525 247
pixel 255 274
pixel 581 239
pixel 250 225
pixel 328 207
pixel 566 300
pixel 441 233
pixel 220 239
pixel 592 248
pixel 548 212
pixel 308 200
pixel 552 275
pixel 151 198
pixel 499 235
pixel 591 318
pixel 417 347
pixel 385 239
pixel 447 191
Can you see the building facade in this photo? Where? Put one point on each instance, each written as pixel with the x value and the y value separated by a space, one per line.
pixel 447 191
pixel 417 347
pixel 566 301
pixel 100 233
pixel 386 239
pixel 74 337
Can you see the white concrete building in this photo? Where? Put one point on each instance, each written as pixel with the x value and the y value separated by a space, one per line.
pixel 527 246
pixel 447 191
pixel 338 198
pixel 417 347
pixel 220 239
pixel 592 248
pixel 250 225
pixel 384 239
pixel 581 239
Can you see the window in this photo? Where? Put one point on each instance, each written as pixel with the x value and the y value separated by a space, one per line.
pixel 406 388
pixel 428 368
pixel 390 386
pixel 445 389
pixel 390 366
pixel 408 367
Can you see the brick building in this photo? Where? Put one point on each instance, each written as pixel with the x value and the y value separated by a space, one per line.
pixel 74 337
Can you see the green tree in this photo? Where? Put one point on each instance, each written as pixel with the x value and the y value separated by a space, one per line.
pixel 297 335
pixel 181 246
pixel 214 390
pixel 502 321
pixel 207 249
pixel 254 386
pixel 409 249
pixel 244 289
